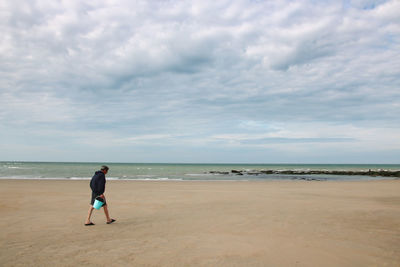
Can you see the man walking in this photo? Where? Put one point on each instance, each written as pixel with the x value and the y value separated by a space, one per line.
pixel 98 186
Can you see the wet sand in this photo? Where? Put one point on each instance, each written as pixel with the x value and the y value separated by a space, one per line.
pixel 272 223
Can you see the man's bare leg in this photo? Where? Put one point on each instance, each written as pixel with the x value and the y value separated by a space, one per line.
pixel 89 215
pixel 106 213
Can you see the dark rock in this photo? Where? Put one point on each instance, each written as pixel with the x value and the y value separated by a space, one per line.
pixel 373 173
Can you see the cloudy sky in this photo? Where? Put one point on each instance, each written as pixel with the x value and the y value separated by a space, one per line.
pixel 244 81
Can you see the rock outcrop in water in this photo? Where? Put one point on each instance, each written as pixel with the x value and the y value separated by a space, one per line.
pixel 373 173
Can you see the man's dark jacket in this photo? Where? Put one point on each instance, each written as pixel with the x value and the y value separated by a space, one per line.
pixel 98 183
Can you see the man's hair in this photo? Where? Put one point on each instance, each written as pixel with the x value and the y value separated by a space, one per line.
pixel 104 168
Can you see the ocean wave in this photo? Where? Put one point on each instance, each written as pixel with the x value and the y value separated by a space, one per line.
pixel 78 178
pixel 158 179
pixel 31 178
pixel 197 174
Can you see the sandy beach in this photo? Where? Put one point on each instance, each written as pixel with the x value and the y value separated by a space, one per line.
pixel 273 223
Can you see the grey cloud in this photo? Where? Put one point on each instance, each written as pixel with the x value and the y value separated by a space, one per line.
pixel 280 140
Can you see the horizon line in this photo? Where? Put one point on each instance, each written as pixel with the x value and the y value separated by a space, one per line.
pixel 195 163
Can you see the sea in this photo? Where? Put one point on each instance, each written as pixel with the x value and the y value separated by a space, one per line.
pixel 181 172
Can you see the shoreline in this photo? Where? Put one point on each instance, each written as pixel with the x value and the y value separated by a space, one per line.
pixel 249 178
pixel 170 223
